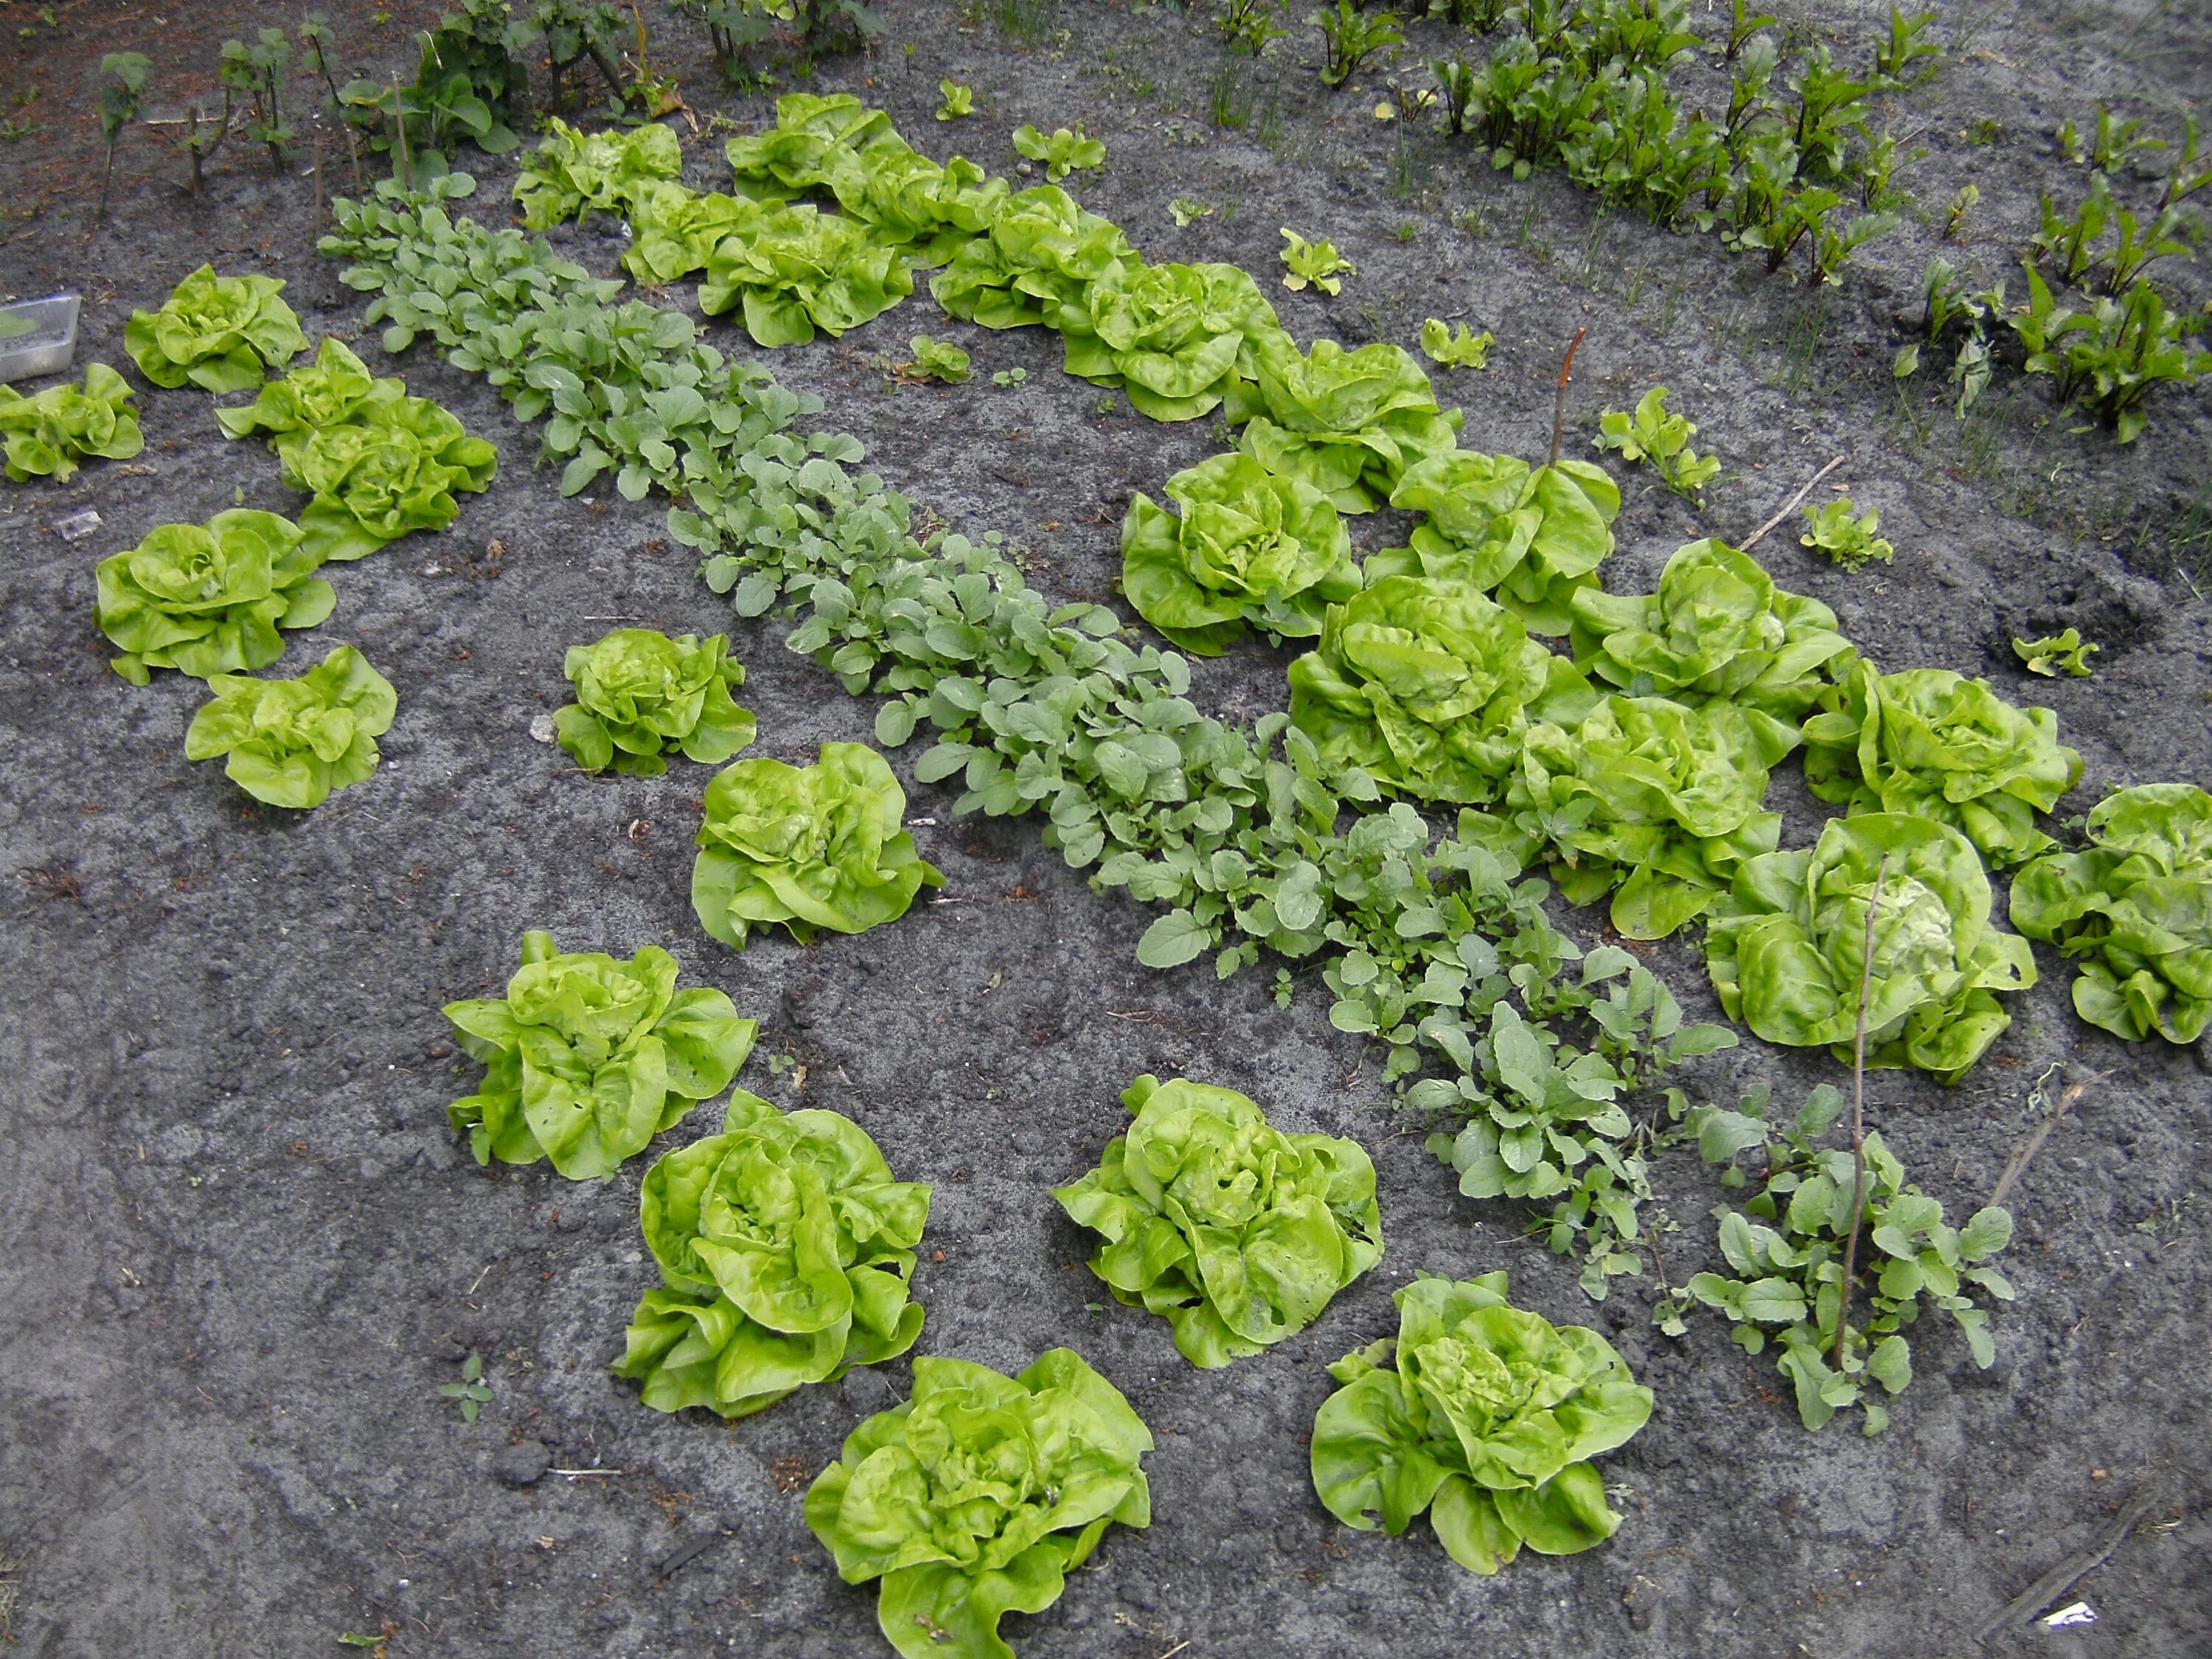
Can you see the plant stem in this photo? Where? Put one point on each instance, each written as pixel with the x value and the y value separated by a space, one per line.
pixel 400 127
pixel 1859 1122
pixel 1559 398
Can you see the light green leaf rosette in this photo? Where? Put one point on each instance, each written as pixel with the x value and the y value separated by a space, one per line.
pixel 48 433
pixel 785 1248
pixel 2134 908
pixel 210 598
pixel 1351 423
pixel 1661 801
pixel 587 1058
pixel 1430 687
pixel 1718 628
pixel 291 743
pixel 336 389
pixel 1237 1233
pixel 1251 547
pixel 1786 948
pixel 674 230
pixel 1037 264
pixel 640 694
pixel 1938 746
pixel 977 1496
pixel 1177 338
pixel 807 847
pixel 798 269
pixel 221 333
pixel 572 172
pixel 1488 1422
pixel 390 468
pixel 815 140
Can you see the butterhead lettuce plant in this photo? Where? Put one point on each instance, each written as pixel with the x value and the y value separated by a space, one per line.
pixel 1535 539
pixel 1035 263
pixel 390 470
pixel 1483 1414
pixel 587 1058
pixel 807 847
pixel 221 333
pixel 673 230
pixel 1250 547
pixel 1237 1233
pixel 1177 337
pixel 979 1495
pixel 2135 909
pixel 640 694
pixel 572 172
pixel 798 269
pixel 785 1247
pixel 48 433
pixel 336 389
pixel 1351 423
pixel 210 598
pixel 1787 946
pixel 291 743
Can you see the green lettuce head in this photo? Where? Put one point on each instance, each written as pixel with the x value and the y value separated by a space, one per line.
pixel 46 434
pixel 930 210
pixel 1237 1233
pixel 2135 909
pixel 1718 628
pixel 798 269
pixel 978 1496
pixel 640 693
pixel 1935 744
pixel 675 230
pixel 808 848
pixel 1175 338
pixel 1429 687
pixel 1250 547
pixel 785 1248
pixel 1535 539
pixel 291 742
pixel 208 598
pixel 573 172
pixel 1037 264
pixel 1351 423
pixel 391 469
pixel 587 1058
pixel 1488 1422
pixel 221 333
pixel 1663 800
pixel 815 140
pixel 1787 947
pixel 336 389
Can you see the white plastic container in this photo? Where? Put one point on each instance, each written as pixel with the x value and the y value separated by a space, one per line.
pixel 50 345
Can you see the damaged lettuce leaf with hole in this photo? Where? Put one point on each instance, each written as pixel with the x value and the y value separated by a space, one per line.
pixel 210 598
pixel 1177 338
pixel 674 230
pixel 1351 423
pixel 48 432
pixel 587 1058
pixel 1237 1233
pixel 797 269
pixel 807 847
pixel 1532 538
pixel 391 469
pixel 1483 1414
pixel 1718 628
pixel 221 333
pixel 786 1249
pixel 1786 946
pixel 1430 687
pixel 1657 800
pixel 572 172
pixel 2135 909
pixel 336 389
pixel 977 1496
pixel 291 743
pixel 640 694
pixel 1250 547
pixel 1937 745
pixel 1035 263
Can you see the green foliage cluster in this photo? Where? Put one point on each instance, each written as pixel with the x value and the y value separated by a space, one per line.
pixel 210 598
pixel 1653 434
pixel 935 359
pixel 587 1058
pixel 1460 348
pixel 49 432
pixel 785 1247
pixel 1061 151
pixel 572 172
pixel 748 35
pixel 1350 37
pixel 640 694
pixel 291 743
pixel 1483 1414
pixel 2067 653
pixel 1846 535
pixel 1534 536
pixel 1239 1234
pixel 221 333
pixel 1317 264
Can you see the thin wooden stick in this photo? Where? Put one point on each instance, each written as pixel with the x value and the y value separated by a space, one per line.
pixel 2063 1576
pixel 1788 507
pixel 1858 1118
pixel 2016 1165
pixel 1559 398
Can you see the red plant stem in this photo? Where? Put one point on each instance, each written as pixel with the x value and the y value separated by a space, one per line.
pixel 1559 399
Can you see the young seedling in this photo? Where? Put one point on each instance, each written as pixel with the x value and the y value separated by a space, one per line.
pixel 2116 145
pixel 1062 152
pixel 1652 434
pixel 472 1394
pixel 1457 81
pixel 1187 210
pixel 2185 180
pixel 1847 538
pixel 959 100
pixel 1010 377
pixel 2067 653
pixel 123 77
pixel 1249 25
pixel 1894 57
pixel 933 360
pixel 1954 217
pixel 1464 348
pixel 1351 37
pixel 1743 23
pixel 1317 264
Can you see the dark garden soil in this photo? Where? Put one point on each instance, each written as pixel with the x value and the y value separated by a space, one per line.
pixel 242 1250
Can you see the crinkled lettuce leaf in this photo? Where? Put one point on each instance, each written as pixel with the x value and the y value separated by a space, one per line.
pixel 572 172
pixel 210 598
pixel 392 467
pixel 1037 264
pixel 1533 538
pixel 673 230
pixel 640 694
pixel 49 431
pixel 335 389
pixel 1351 423
pixel 291 742
pixel 797 269
pixel 221 333
pixel 1177 338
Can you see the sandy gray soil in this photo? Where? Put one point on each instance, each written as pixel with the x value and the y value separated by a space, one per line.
pixel 242 1250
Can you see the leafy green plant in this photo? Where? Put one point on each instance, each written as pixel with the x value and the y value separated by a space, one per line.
pixel 1250 548
pixel 1483 1415
pixel 257 73
pixel 1653 435
pixel 210 598
pixel 389 468
pixel 1034 263
pixel 798 269
pixel 291 743
pixel 786 1249
pixel 572 32
pixel 48 432
pixel 1932 743
pixel 587 1058
pixel 1010 377
pixel 978 1495
pixel 1354 424
pixel 807 848
pixel 1460 349
pixel 123 80
pixel 472 1394
pixel 674 231
pixel 334 390
pixel 1062 152
pixel 2058 654
pixel 640 694
pixel 1785 1284
pixel 1317 264
pixel 957 100
pixel 935 359
pixel 221 333
pixel 2134 908
pixel 1906 46
pixel 1178 339
pixel 1350 37
pixel 572 172
pixel 1535 536
pixel 1847 536
pixel 1786 948
pixel 1238 1234
pixel 1249 26
pixel 2070 244
pixel 1955 216
pixel 2113 356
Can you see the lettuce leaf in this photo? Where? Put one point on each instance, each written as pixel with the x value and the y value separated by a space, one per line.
pixel 1535 538
pixel 291 742
pixel 221 333
pixel 389 468
pixel 640 694
pixel 796 269
pixel 49 431
pixel 1177 338
pixel 1036 264
pixel 208 598
pixel 572 172
pixel 1351 423
pixel 673 230
pixel 335 390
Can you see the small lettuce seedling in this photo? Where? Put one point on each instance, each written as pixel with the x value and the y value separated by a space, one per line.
pixel 472 1394
pixel 1062 152
pixel 1845 536
pixel 2067 653
pixel 291 743
pixel 935 359
pixel 1462 349
pixel 958 101
pixel 1010 377
pixel 1653 435
pixel 1315 263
